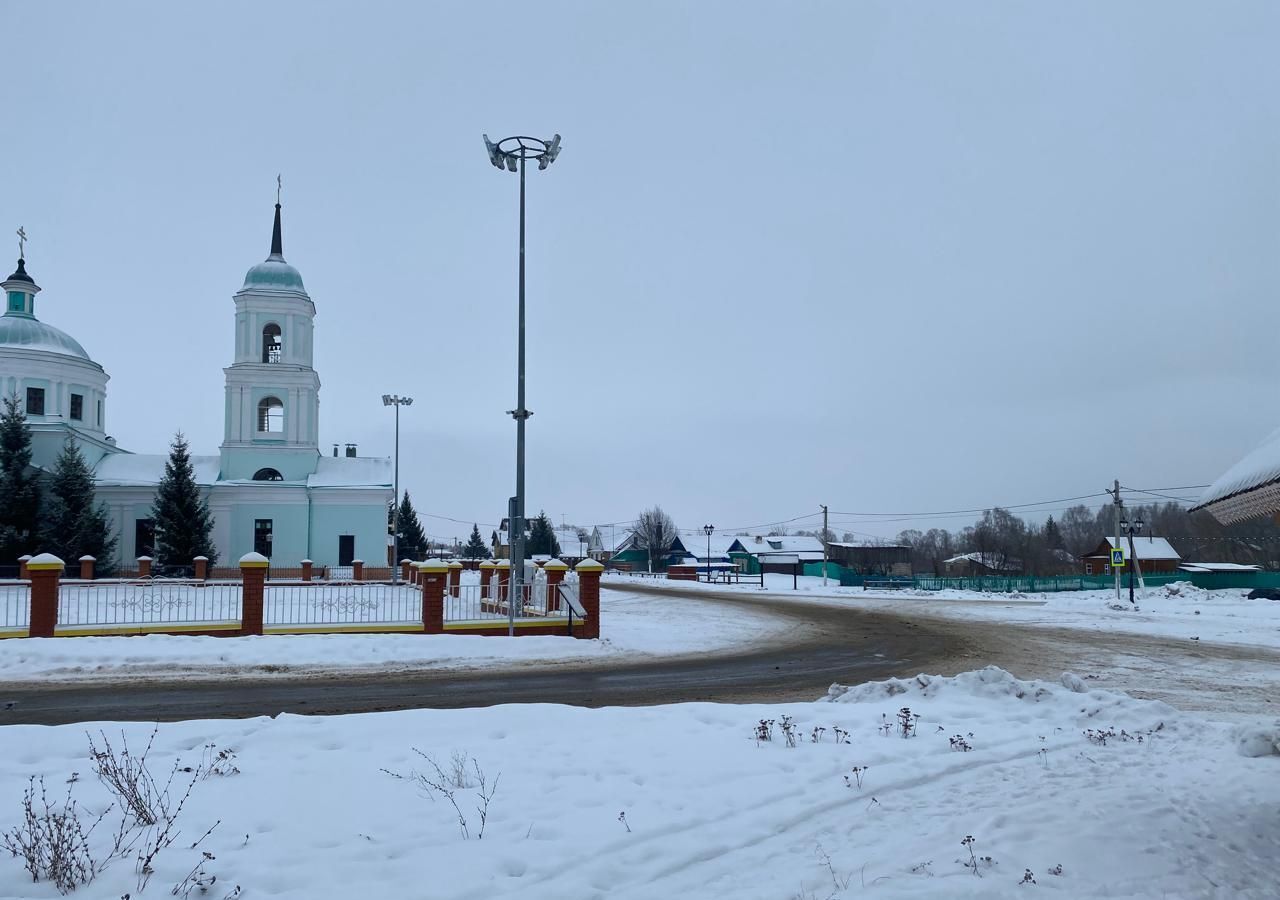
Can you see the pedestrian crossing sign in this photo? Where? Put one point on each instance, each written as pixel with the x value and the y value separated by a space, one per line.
pixel 1117 558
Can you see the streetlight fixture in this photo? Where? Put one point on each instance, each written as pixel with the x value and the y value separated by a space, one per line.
pixel 1131 530
pixel 708 530
pixel 396 401
pixel 511 154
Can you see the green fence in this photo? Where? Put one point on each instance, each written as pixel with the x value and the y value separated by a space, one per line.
pixel 1028 584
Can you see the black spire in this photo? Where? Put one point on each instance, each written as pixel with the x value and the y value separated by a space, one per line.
pixel 277 245
pixel 21 273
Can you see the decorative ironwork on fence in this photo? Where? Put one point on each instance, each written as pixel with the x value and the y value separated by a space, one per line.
pixel 147 602
pixel 340 603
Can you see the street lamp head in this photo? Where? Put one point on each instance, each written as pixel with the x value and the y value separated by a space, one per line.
pixel 508 152
pixel 386 399
pixel 1138 524
pixel 407 401
pixel 1124 524
pixel 708 530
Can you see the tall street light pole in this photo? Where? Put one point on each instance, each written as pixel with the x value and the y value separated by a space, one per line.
pixel 511 154
pixel 708 530
pixel 1131 530
pixel 397 401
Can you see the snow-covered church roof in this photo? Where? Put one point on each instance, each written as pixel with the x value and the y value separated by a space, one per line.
pixel 1249 489
pixel 146 470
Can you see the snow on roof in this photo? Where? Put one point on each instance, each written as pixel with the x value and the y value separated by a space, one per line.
pixel 991 561
pixel 1147 548
pixel 608 538
pixel 696 545
pixel 351 472
pixel 785 543
pixel 1250 488
pixel 146 469
pixel 1218 567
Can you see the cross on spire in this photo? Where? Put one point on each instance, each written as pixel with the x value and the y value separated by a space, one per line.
pixel 22 240
pixel 279 185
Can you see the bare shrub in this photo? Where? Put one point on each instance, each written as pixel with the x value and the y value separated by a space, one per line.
pixel 438 782
pixel 52 841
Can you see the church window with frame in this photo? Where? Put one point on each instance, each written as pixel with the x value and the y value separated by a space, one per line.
pixel 270 416
pixel 267 474
pixel 35 401
pixel 77 407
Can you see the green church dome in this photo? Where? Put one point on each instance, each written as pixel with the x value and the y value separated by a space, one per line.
pixel 274 274
pixel 32 334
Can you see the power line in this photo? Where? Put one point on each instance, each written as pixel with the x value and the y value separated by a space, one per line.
pixel 951 512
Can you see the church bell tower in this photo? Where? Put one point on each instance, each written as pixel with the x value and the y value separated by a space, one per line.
pixel 273 394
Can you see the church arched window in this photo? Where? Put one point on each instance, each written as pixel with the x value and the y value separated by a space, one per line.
pixel 270 416
pixel 267 475
pixel 272 346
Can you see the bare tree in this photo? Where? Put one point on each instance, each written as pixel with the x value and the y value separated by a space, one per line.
pixel 655 533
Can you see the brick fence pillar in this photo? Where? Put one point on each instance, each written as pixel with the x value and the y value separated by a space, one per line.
pixel 455 579
pixel 253 586
pixel 589 572
pixel 406 570
pixel 306 570
pixel 555 570
pixel 22 566
pixel 144 566
pixel 435 577
pixel 357 569
pixel 45 571
pixel 503 568
pixel 201 567
pixel 486 573
pixel 86 567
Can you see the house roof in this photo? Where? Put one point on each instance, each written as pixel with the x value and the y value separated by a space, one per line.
pixel 1151 548
pixel 1249 489
pixel 990 561
pixel 1217 567
pixel 785 543
pixel 351 472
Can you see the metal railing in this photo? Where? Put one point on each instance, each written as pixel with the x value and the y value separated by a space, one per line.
pixel 477 603
pixel 340 603
pixel 147 602
pixel 15 604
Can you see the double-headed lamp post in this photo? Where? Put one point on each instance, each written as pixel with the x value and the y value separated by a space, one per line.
pixel 1131 529
pixel 511 154
pixel 397 401
pixel 708 530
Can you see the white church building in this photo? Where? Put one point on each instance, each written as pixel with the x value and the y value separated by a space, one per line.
pixel 270 489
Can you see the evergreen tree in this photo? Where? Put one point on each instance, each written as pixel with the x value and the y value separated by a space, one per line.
pixel 542 537
pixel 1052 535
pixel 413 540
pixel 476 547
pixel 73 525
pixel 183 522
pixel 19 489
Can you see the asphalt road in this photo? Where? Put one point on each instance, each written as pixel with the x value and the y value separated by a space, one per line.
pixel 826 644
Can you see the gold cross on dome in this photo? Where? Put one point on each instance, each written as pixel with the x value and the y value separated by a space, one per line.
pixel 22 240
pixel 279 185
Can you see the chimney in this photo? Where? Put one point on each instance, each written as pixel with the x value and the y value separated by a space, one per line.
pixel 351 451
pixel 335 451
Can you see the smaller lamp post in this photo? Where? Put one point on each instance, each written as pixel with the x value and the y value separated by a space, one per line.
pixel 708 530
pixel 1131 529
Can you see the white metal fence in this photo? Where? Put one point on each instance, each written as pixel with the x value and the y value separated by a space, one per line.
pixel 149 602
pixel 15 604
pixel 477 603
pixel 340 603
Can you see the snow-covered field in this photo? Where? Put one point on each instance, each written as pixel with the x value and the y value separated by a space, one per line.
pixel 632 626
pixel 684 801
pixel 1178 610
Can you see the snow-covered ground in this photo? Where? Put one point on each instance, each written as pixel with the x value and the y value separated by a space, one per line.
pixel 1178 610
pixel 684 801
pixel 632 626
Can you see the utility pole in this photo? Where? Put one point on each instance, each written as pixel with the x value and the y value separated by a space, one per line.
pixel 1115 506
pixel 824 544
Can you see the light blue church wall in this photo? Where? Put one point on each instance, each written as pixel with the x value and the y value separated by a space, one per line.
pixel 367 521
pixel 288 531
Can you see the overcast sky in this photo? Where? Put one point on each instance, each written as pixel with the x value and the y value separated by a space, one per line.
pixel 888 257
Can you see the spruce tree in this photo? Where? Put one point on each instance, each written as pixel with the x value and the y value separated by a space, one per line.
pixel 476 547
pixel 542 537
pixel 413 540
pixel 74 526
pixel 19 489
pixel 183 523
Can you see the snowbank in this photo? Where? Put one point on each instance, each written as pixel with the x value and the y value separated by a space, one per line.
pixel 1120 797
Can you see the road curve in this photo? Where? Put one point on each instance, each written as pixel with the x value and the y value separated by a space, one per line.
pixel 827 644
